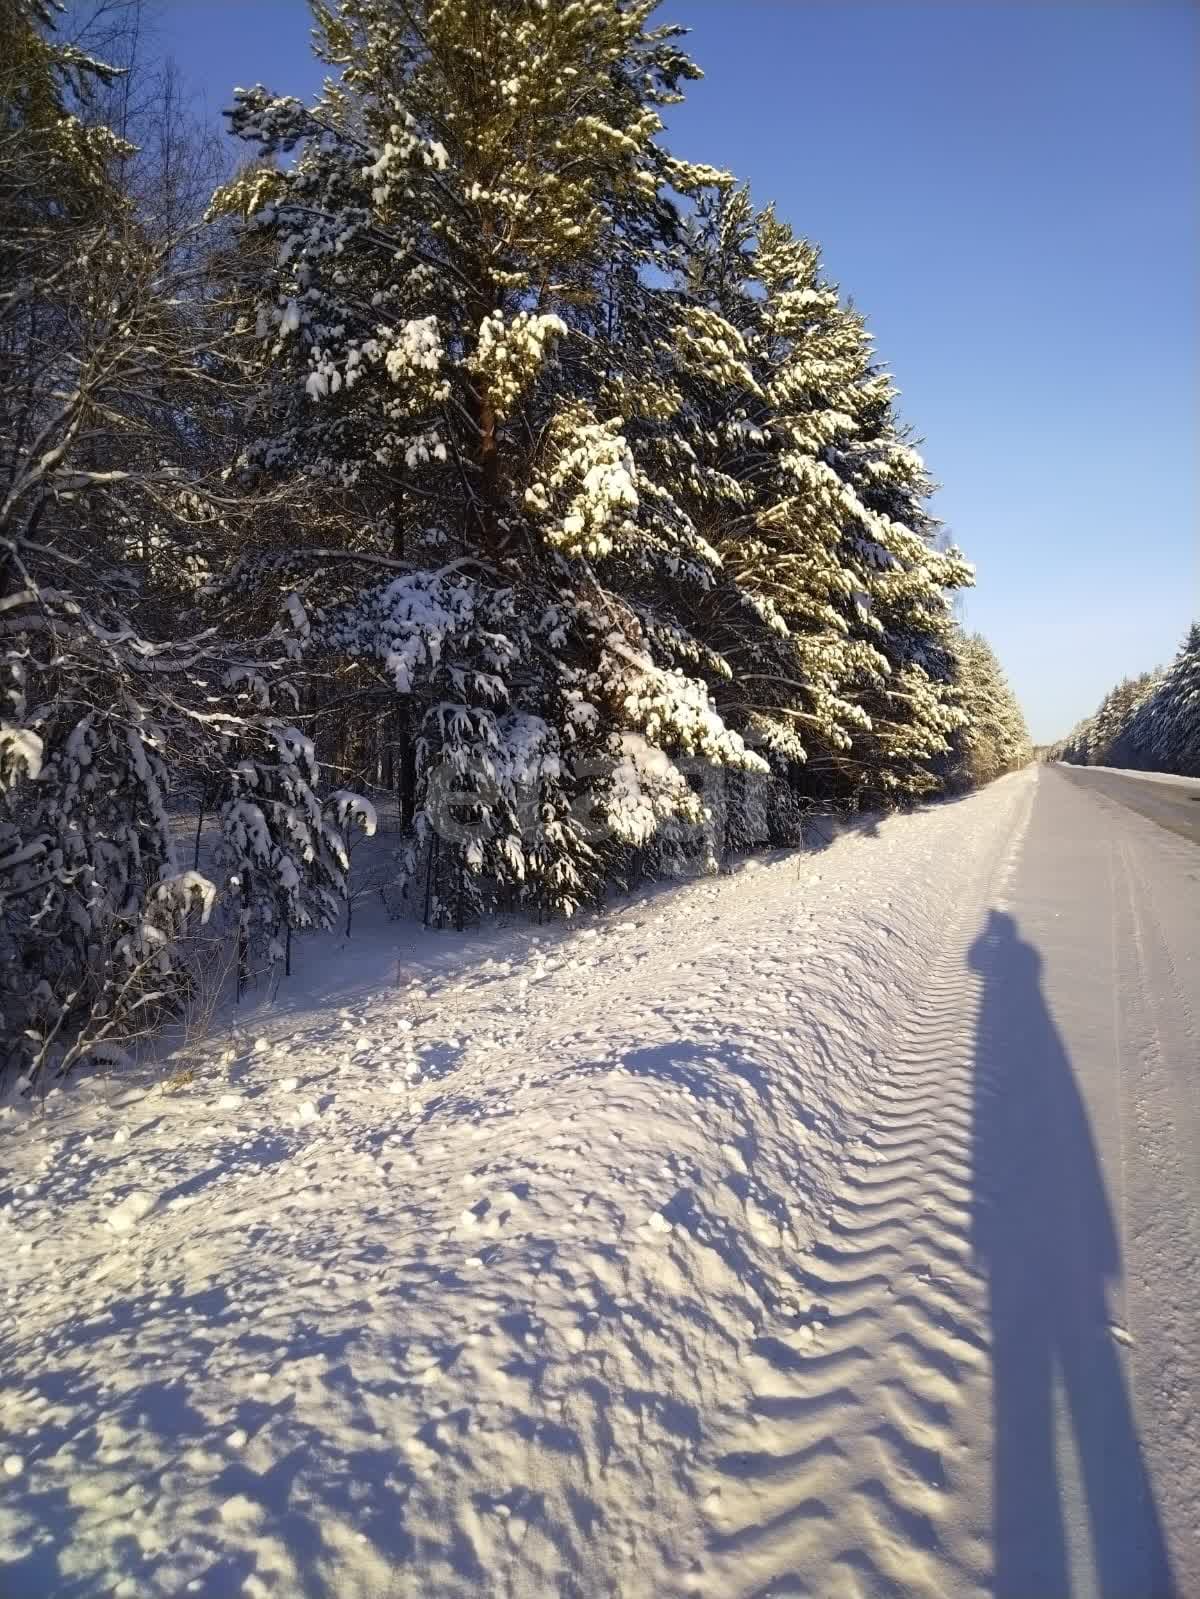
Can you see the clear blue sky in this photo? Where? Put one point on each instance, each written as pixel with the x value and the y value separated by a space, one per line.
pixel 1008 192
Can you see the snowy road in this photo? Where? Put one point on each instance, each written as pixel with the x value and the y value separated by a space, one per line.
pixel 1086 1162
pixel 830 1229
pixel 1172 802
pixel 1006 1401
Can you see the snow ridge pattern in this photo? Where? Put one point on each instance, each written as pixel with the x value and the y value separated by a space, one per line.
pixel 846 1461
pixel 575 1268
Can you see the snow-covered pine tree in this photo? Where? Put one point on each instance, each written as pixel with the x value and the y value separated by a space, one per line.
pixel 993 739
pixel 729 459
pixel 1123 746
pixel 902 607
pixel 1119 732
pixel 811 356
pixel 1164 728
pixel 113 682
pixel 284 849
pixel 820 505
pixel 1127 728
pixel 1111 724
pixel 1074 747
pixel 456 359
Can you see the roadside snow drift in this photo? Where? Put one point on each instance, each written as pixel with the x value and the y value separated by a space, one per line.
pixel 458 1286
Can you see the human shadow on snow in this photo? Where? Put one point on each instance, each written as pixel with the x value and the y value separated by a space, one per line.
pixel 1044 1234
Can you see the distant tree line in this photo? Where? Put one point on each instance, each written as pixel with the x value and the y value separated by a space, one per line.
pixel 467 454
pixel 1149 723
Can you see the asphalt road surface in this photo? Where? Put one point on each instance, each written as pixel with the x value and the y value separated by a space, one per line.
pixel 1172 803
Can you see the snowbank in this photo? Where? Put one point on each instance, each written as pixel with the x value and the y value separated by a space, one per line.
pixel 450 1288
pixel 1128 771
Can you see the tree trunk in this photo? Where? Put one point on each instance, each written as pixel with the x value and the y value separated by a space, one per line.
pixel 199 826
pixel 429 864
pixel 489 467
pixel 406 782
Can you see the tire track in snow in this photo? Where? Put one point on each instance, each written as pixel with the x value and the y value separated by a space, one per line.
pixel 844 1477
pixel 1163 1290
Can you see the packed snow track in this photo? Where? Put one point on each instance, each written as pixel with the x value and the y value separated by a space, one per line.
pixel 829 1229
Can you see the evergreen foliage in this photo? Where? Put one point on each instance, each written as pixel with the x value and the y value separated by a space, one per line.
pixel 1149 723
pixel 118 682
pixel 993 738
pixel 477 451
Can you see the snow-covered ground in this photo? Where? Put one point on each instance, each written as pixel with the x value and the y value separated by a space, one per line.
pixel 677 1253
